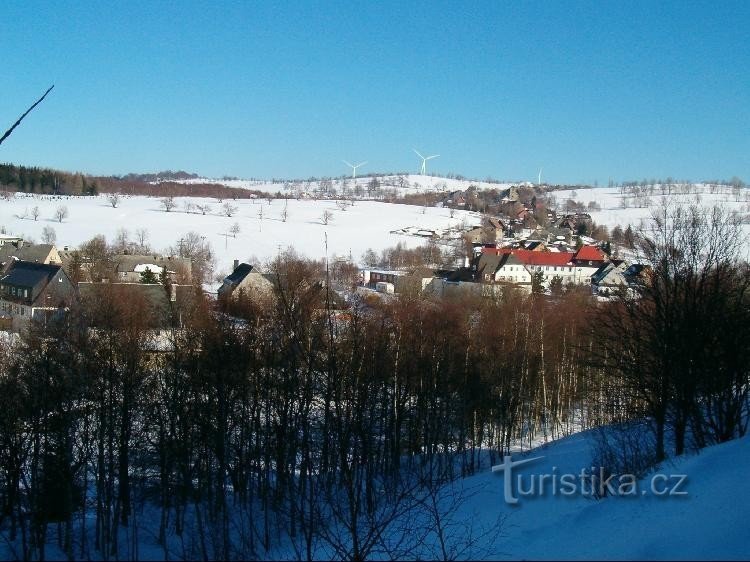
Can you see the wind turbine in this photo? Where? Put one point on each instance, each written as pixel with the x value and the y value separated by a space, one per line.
pixel 423 169
pixel 354 167
pixel 539 180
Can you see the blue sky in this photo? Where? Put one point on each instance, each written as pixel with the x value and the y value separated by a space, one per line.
pixel 585 90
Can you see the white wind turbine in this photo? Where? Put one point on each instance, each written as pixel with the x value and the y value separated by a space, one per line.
pixel 354 167
pixel 539 179
pixel 423 169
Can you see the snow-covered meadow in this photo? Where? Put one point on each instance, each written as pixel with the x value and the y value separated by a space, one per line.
pixel 619 207
pixel 366 224
pixel 399 185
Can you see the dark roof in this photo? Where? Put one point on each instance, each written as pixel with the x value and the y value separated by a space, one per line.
pixel 239 273
pixel 35 253
pixel 533 244
pixel 30 274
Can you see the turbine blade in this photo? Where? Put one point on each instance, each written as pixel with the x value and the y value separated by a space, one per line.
pixel 361 164
pixel 347 163
pixel 431 157
pixel 418 154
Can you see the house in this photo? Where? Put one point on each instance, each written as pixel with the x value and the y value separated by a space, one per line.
pixel 618 275
pixel 35 253
pixel 457 198
pixel 9 239
pixel 157 305
pixel 371 277
pixel 503 267
pixel 246 279
pixel 590 256
pixel 552 264
pixel 128 268
pixel 37 291
pixel 510 195
pixel 491 231
pixel 609 277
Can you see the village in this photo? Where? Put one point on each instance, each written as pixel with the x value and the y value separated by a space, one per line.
pixel 520 245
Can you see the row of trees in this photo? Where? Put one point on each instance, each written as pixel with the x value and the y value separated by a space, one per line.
pixel 324 427
pixel 680 347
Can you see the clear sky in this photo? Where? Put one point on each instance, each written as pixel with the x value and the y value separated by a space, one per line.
pixel 585 90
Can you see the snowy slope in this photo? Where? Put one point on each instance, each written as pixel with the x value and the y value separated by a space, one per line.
pixel 710 522
pixel 367 224
pixel 399 184
pixel 618 208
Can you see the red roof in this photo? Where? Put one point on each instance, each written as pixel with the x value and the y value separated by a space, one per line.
pixel 529 257
pixel 590 253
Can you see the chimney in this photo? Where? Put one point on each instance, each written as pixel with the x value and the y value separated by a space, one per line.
pixel 236 264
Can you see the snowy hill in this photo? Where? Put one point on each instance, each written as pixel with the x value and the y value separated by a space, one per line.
pixel 399 185
pixel 627 206
pixel 367 224
pixel 708 522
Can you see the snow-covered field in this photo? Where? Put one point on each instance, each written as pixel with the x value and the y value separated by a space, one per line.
pixel 366 224
pixel 620 207
pixel 399 184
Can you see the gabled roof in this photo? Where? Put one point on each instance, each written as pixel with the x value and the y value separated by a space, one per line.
pixel 28 274
pixel 590 253
pixel 36 253
pixel 239 273
pixel 529 257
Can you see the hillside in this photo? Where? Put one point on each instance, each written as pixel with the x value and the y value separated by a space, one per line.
pixel 699 525
pixel 367 224
pixel 625 206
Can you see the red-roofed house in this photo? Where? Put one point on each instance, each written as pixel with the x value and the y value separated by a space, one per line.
pixel 590 255
pixel 570 267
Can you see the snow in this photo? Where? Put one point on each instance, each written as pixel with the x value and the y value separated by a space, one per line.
pixel 614 212
pixel 707 523
pixel 366 224
pixel 152 267
pixel 400 184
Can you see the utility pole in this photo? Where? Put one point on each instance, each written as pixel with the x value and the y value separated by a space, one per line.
pixel 226 238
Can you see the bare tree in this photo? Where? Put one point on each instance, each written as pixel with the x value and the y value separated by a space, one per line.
pixel 326 217
pixel 285 211
pixel 114 199
pixel 35 213
pixel 141 236
pixel 168 203
pixel 61 213
pixel 228 209
pixel 122 240
pixel 235 229
pixel 342 204
pixel 49 236
pixel 203 208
